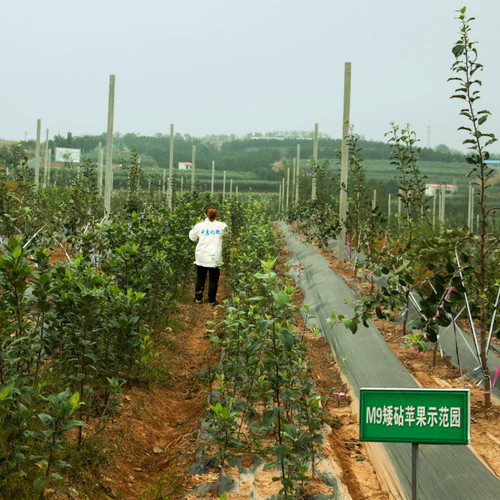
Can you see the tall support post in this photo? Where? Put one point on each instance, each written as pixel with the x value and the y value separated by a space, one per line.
pixel 315 159
pixel 193 163
pixel 231 188
pixel 294 171
pixel 297 175
pixel 434 201
pixel 48 169
pixel 470 218
pixel 443 204
pixel 213 179
pixel 224 188
pixel 400 209
pixel 46 163
pixel 108 183
pixel 164 180
pixel 170 168
pixel 374 202
pixel 236 192
pixel 287 186
pixel 389 209
pixel 100 156
pixel 279 199
pixel 37 152
pixel 182 184
pixel 283 194
pixel 343 165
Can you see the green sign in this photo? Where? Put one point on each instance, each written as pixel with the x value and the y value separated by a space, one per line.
pixel 438 416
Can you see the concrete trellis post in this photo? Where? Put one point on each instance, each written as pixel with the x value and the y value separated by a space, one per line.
pixel 46 164
pixel 164 180
pixel 213 179
pixel 294 171
pixel 37 152
pixel 283 193
pixel 374 202
pixel 182 184
pixel 224 188
pixel 287 186
pixel 343 165
pixel 49 165
pixel 315 159
pixel 297 174
pixel 231 188
pixel 193 162
pixel 279 198
pixel 170 169
pixel 389 209
pixel 400 206
pixel 470 217
pixel 108 183
pixel 236 192
pixel 99 168
pixel 434 201
pixel 443 204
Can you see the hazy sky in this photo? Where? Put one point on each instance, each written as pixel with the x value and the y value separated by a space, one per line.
pixel 239 66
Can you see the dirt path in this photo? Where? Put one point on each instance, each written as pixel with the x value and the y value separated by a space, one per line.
pixel 151 443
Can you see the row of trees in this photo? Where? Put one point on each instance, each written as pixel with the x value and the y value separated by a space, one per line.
pixel 257 154
pixel 452 271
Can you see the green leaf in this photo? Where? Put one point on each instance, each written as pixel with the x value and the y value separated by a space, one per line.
pixel 281 450
pixel 263 324
pixel 458 50
pixel 287 339
pixel 281 298
pixel 268 417
pixel 46 418
pixel 39 484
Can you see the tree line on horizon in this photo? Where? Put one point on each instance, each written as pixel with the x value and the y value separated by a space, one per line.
pixel 253 152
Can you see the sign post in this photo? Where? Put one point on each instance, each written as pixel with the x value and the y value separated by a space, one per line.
pixel 430 416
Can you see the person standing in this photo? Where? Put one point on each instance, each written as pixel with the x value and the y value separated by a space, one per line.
pixel 208 254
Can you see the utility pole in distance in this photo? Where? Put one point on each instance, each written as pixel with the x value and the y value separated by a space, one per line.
pixel 343 164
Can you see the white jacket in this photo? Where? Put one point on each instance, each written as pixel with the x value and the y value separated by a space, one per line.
pixel 209 248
